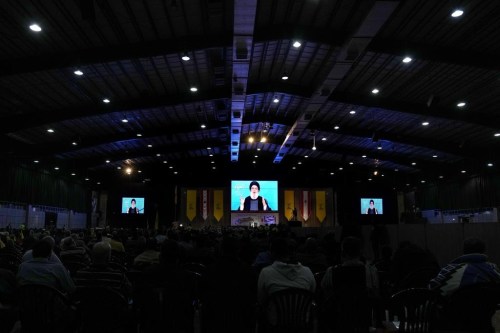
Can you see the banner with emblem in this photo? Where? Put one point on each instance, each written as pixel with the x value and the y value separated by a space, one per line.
pixel 191 204
pixel 321 205
pixel 306 205
pixel 289 204
pixel 218 204
pixel 204 204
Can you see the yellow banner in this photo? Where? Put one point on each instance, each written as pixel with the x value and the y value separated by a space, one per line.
pixel 191 204
pixel 218 204
pixel 321 205
pixel 289 204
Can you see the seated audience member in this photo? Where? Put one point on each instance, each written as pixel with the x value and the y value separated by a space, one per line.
pixel 412 266
pixel 40 270
pixel 115 242
pixel 71 253
pixel 311 257
pixel 352 272
pixel 100 274
pixel 384 264
pixel 8 309
pixel 53 257
pixel 285 272
pixel 150 255
pixel 471 268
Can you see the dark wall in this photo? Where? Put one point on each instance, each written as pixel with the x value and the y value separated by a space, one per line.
pixel 23 184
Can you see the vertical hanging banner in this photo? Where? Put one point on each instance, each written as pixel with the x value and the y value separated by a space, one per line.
pixel 306 205
pixel 204 204
pixel 218 205
pixel 321 205
pixel 191 204
pixel 289 204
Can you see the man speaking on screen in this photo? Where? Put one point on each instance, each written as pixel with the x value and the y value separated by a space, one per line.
pixel 254 202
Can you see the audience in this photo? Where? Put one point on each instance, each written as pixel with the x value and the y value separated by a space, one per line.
pixel 41 270
pixel 285 272
pixel 469 269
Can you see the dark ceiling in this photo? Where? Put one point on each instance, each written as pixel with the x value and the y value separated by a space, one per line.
pixel 130 52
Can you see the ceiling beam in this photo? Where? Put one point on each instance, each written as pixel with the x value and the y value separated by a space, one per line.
pixel 35 119
pixel 435 53
pixel 111 54
pixel 243 40
pixel 375 101
pixel 346 57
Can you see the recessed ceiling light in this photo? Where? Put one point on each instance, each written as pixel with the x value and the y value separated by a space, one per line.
pixel 276 100
pixel 139 134
pixel 185 57
pixel 209 148
pixel 352 112
pixel 332 173
pixel 158 155
pixel 341 168
pixel 457 13
pixel 35 27
pixel 56 168
pixel 364 156
pixel 299 163
pixel 375 172
pixel 36 161
pixel 407 60
pixel 258 149
pixel 150 146
pixel 294 168
pixel 306 156
pixel 490 164
pixel 98 183
pixel 463 171
pixel 251 139
pixel 73 174
pixel 336 128
pixel 323 139
pixel 212 162
pixel 78 72
pixel 425 123
pixel 119 167
pixel 128 171
pixel 422 181
pixel 351 163
pixel 496 134
pixel 396 170
pixel 107 161
pixel 106 100
pixel 211 155
pixel 413 163
pixel 87 179
pixel 369 179
pixel 256 156
pixel 263 139
pixel 461 104
pixel 314 148
pixel 296 44
pixel 124 120
pixel 407 184
pixel 284 77
pixel 170 167
pixel 193 89
pixel 50 130
pixel 74 143
pixel 379 147
pixel 435 156
pixel 139 171
pixel 176 172
pixel 375 91
pixel 441 177
pixel 165 162
pixel 254 162
pixel 203 126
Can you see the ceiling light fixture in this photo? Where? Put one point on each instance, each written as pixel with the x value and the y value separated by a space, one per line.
pixel 457 13
pixel 490 164
pixel 276 100
pixel 128 171
pixel 364 156
pixel 314 142
pixel 124 120
pixel 435 156
pixel 461 104
pixel 413 163
pixel 106 100
pixel 35 27
pixel 497 134
pixel 425 123
pixel 36 161
pixel 150 146
pixel 296 44
pixel 203 126
pixel 74 143
pixel 379 147
pixel 285 76
pixel 139 134
pixel 263 139
pixel 463 171
pixel 336 127
pixel 352 112
pixel 78 72
pixel 50 130
pixel 407 60
pixel 193 89
pixel 375 91
pixel 56 168
pixel 323 139
pixel 185 57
